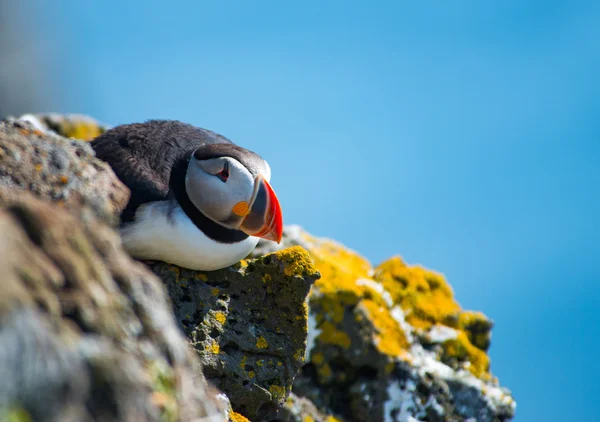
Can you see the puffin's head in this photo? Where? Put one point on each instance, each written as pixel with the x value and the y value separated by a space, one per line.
pixel 230 185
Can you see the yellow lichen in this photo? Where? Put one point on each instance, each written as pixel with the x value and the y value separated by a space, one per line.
pixel 277 391
pixel 201 276
pixel 251 374
pixel 424 295
pixel 220 316
pixel 332 419
pixel 261 343
pixel 215 291
pixel 297 261
pixel 317 358
pixel 390 338
pixel 477 327
pixel 308 418
pixel 331 335
pixel 79 129
pixel 462 350
pixel 236 417
pixel 325 372
pixel 214 348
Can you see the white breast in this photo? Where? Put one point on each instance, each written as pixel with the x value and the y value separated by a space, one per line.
pixel 156 235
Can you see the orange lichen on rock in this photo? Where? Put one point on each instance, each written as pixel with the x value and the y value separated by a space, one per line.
pixel 236 417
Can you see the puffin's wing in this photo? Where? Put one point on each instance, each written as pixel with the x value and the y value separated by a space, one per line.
pixel 132 158
pixel 142 156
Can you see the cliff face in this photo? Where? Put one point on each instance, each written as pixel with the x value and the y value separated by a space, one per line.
pixel 390 343
pixel 304 331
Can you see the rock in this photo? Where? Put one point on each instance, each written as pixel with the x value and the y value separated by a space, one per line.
pixel 248 324
pixel 86 332
pixel 59 170
pixel 75 126
pixel 302 410
pixel 389 343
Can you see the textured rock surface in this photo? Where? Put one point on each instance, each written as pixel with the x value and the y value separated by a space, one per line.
pixel 248 324
pixel 60 170
pixel 86 332
pixel 390 343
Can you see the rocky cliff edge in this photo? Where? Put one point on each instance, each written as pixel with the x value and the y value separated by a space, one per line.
pixel 307 330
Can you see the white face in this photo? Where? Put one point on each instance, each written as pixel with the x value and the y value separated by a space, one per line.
pixel 219 188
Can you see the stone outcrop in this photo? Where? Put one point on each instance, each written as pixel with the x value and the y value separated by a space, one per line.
pixel 389 343
pixel 86 332
pixel 307 330
pixel 248 323
pixel 59 170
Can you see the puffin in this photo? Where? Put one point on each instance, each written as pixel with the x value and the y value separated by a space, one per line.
pixel 197 199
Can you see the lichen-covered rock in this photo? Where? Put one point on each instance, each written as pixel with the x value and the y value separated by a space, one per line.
pixel 86 332
pixel 60 170
pixel 76 126
pixel 301 409
pixel 390 343
pixel 248 324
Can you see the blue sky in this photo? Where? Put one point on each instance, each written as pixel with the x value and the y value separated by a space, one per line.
pixel 465 137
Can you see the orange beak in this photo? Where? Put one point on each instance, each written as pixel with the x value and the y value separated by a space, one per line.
pixel 264 219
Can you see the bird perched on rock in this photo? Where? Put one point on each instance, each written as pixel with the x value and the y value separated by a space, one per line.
pixel 197 199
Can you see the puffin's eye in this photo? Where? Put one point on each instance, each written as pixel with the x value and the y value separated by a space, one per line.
pixel 224 174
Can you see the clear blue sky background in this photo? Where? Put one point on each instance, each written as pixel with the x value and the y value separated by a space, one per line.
pixel 463 137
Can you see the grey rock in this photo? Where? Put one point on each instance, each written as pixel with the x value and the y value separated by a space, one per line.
pixel 248 323
pixel 60 170
pixel 86 332
pixel 366 362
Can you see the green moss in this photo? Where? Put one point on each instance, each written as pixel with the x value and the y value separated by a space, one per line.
pixel 15 414
pixel 164 394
